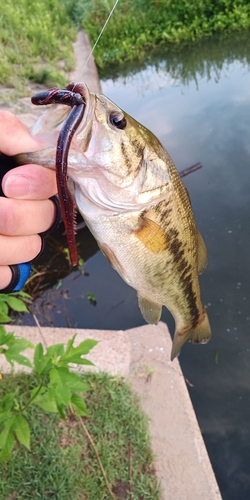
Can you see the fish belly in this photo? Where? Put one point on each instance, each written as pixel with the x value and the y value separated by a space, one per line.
pixel 153 274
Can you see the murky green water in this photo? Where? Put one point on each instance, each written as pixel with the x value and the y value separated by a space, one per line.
pixel 196 99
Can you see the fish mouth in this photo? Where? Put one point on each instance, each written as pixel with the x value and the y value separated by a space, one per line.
pixel 50 124
pixel 82 135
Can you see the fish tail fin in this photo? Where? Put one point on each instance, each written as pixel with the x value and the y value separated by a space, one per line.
pixel 198 335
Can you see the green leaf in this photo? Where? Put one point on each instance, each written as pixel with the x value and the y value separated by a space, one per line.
pixel 57 382
pixel 73 354
pixel 2 334
pixel 19 358
pixel 79 404
pixel 62 376
pixel 45 400
pixel 6 338
pixel 3 297
pixel 7 438
pixel 36 393
pixel 18 344
pixel 7 402
pixel 42 362
pixel 22 431
pixel 58 402
pixel 86 346
pixel 48 405
pixel 20 293
pixel 55 350
pixel 62 396
pixel 4 308
pixel 4 318
pixel 91 298
pixel 83 361
pixel 16 304
pixel 13 352
pixel 5 416
pixel 70 343
pixel 8 446
pixel 38 358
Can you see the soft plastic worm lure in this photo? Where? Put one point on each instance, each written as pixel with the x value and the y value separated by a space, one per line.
pixel 72 96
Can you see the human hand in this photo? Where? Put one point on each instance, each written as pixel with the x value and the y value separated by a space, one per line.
pixel 26 211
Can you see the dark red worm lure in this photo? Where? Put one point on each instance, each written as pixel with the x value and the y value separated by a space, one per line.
pixel 72 96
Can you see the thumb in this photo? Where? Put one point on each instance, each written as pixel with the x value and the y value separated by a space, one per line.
pixel 15 137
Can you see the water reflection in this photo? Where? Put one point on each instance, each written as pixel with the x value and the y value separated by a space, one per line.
pixel 196 100
pixel 188 62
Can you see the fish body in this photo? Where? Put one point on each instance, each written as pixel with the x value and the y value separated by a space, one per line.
pixel 131 196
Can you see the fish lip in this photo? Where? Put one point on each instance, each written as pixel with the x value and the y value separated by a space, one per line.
pixel 82 135
pixel 49 124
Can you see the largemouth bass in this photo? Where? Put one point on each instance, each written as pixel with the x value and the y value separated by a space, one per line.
pixel 132 198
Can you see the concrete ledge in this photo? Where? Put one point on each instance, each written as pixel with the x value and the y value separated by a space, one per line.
pixel 111 355
pixel 141 355
pixel 182 462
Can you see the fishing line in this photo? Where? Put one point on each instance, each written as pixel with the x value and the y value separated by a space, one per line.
pixel 100 34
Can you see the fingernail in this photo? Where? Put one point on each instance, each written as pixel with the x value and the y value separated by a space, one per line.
pixel 17 186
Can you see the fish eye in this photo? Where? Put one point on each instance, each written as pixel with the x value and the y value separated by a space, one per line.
pixel 118 120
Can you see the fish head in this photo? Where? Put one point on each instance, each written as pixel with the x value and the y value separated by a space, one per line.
pixel 114 161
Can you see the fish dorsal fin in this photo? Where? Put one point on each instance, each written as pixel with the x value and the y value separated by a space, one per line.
pixel 151 311
pixel 151 235
pixel 202 253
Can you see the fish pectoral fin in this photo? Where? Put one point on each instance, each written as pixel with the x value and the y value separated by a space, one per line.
pixel 151 235
pixel 151 311
pixel 198 335
pixel 202 253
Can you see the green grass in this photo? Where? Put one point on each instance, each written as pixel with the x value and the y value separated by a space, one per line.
pixel 62 464
pixel 35 42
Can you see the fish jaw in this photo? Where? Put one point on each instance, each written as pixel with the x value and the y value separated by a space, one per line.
pixel 50 122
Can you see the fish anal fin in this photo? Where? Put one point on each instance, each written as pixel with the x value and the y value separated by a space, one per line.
pixel 202 253
pixel 151 235
pixel 151 311
pixel 198 335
